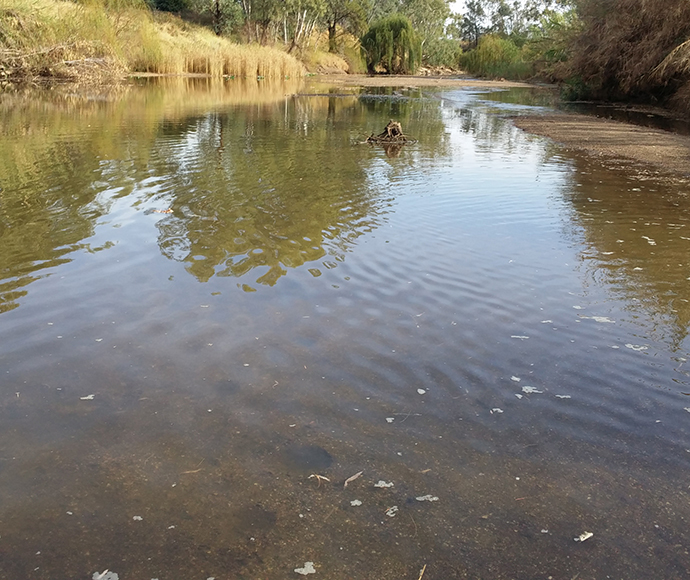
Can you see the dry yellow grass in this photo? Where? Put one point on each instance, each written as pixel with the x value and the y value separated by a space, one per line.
pixel 110 37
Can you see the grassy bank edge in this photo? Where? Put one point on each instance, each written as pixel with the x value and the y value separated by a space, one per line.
pixel 63 40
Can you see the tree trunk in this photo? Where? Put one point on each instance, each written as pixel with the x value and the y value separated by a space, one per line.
pixel 332 44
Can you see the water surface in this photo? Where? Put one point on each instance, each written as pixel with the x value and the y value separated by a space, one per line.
pixel 211 293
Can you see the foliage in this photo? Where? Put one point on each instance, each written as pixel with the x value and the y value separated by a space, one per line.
pixel 171 5
pixel 346 15
pixel 226 15
pixel 392 45
pixel 428 17
pixel 76 41
pixel 632 49
pixel 442 52
pixel 496 57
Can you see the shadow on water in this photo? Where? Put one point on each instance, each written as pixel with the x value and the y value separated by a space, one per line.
pixel 213 294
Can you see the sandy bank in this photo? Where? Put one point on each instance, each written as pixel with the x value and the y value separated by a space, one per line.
pixel 664 151
pixel 418 81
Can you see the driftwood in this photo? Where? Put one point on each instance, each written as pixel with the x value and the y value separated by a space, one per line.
pixel 391 135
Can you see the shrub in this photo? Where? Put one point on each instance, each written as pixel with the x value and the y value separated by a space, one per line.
pixel 442 52
pixel 496 57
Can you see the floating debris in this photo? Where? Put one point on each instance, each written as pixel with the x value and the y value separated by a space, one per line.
pixel 687 409
pixel 390 419
pixel 547 321
pixel 87 398
pixel 564 396
pixel 583 536
pixel 421 391
pixel 137 518
pixel 516 379
pixel 518 395
pixel 530 390
pixel 392 135
pixel 105 575
pixel 599 319
pixel 519 337
pixel 391 511
pixel 427 498
pixel 355 503
pixel 382 483
pixel 496 410
pixel 307 569
pixel 636 347
pixel 351 479
pixel 578 307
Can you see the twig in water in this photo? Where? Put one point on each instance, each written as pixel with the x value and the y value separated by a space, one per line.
pixel 197 470
pixel 415 527
pixel 422 573
pixel 319 478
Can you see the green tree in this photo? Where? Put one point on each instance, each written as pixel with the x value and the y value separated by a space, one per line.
pixel 472 26
pixel 393 45
pixel 226 14
pixel 428 17
pixel 344 15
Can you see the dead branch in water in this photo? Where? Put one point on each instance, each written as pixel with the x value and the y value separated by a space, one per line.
pixel 392 134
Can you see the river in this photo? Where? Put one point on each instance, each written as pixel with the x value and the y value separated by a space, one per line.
pixel 217 306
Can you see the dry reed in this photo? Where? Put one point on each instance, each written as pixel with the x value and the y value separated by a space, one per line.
pixel 107 38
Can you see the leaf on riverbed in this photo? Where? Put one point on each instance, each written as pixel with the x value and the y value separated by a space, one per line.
pixel 105 575
pixel 382 483
pixel 308 569
pixel 351 479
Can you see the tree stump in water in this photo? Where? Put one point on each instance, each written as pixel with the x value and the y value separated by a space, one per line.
pixel 392 134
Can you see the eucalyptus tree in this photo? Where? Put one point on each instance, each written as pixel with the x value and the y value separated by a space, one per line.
pixel 428 17
pixel 342 16
pixel 260 16
pixel 300 19
pixel 225 14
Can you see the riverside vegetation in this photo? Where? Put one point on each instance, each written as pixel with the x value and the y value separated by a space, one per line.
pixel 624 50
pixel 107 38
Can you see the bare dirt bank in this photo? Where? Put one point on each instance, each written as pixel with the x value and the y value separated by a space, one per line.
pixel 666 152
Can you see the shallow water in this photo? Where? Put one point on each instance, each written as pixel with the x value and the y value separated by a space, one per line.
pixel 211 293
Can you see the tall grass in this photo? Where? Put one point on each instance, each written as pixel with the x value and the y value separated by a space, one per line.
pixel 496 57
pixel 72 39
